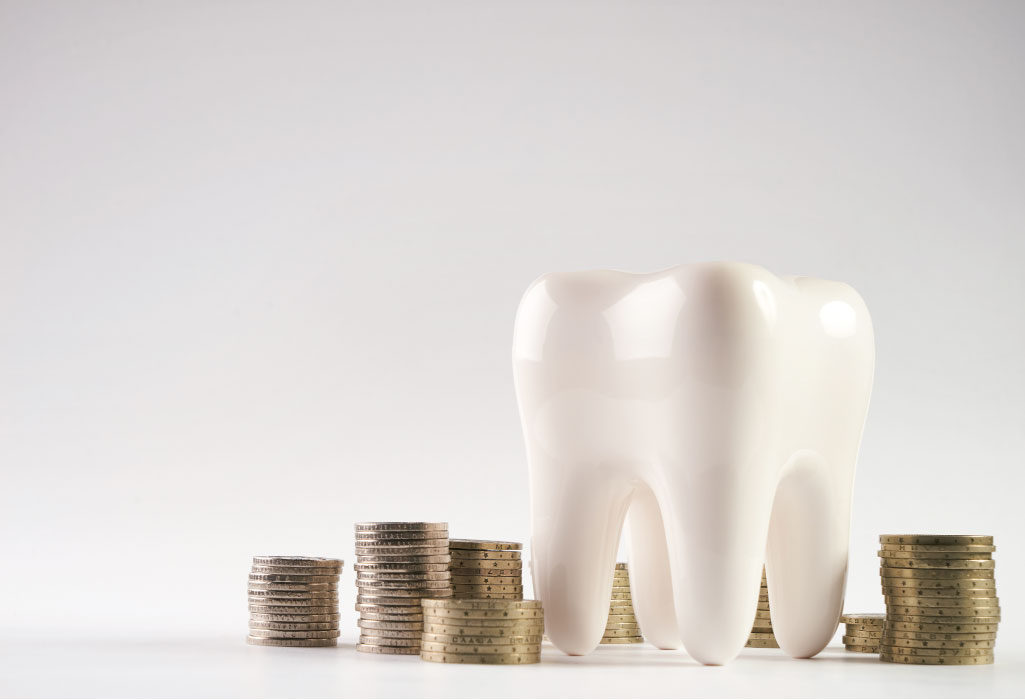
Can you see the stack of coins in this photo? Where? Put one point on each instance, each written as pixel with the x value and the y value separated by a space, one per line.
pixel 761 633
pixel 863 632
pixel 941 599
pixel 486 569
pixel 293 602
pixel 483 631
pixel 622 627
pixel 397 564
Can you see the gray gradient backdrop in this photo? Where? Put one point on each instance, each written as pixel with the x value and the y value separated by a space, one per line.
pixel 259 262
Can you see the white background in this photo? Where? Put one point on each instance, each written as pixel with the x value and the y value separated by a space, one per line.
pixel 259 263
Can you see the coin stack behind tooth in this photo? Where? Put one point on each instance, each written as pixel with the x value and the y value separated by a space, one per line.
pixel 941 599
pixel 622 627
pixel 761 633
pixel 863 632
pixel 397 565
pixel 486 569
pixel 293 602
pixel 482 631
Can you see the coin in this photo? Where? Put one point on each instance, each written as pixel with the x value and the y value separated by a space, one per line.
pixel 396 601
pixel 941 564
pixel 297 587
pixel 295 617
pixel 416 578
pixel 449 658
pixel 863 648
pixel 945 627
pixel 946 620
pixel 385 584
pixel 942 636
pixel 389 641
pixel 319 601
pixel 400 535
pixel 393 526
pixel 482 631
pixel 938 547
pixel 492 623
pixel 615 632
pixel 762 644
pixel 366 591
pixel 932 602
pixel 264 642
pixel 759 628
pixel 471 571
pixel 292 626
pixel 920 651
pixel 865 618
pixel 868 634
pixel 487 616
pixel 482 605
pixel 947 611
pixel 284 609
pixel 940 643
pixel 954 574
pixel 889 554
pixel 404 559
pixel 762 635
pixel 482 638
pixel 622 618
pixel 938 592
pixel 390 634
pixel 862 641
pixel 481 555
pixel 400 567
pixel 292 595
pixel 485 544
pixel 482 580
pixel 937 660
pixel 936 539
pixel 622 640
pixel 375 649
pixel 298 561
pixel 486 588
pixel 292 578
pixel 490 564
pixel 296 570
pixel 394 553
pixel 391 625
pixel 385 617
pixel 404 610
pixel 298 634
pixel 481 648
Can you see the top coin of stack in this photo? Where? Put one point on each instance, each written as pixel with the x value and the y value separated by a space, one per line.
pixel 397 565
pixel 621 627
pixel 486 569
pixel 863 632
pixel 941 600
pixel 482 631
pixel 762 635
pixel 293 602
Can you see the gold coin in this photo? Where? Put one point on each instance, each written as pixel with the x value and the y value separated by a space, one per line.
pixel 478 623
pixel 921 651
pixel 296 634
pixel 953 574
pixel 264 642
pixel 296 570
pixel 481 648
pixel 293 578
pixel 393 526
pixel 471 571
pixel 939 592
pixel 375 649
pixel 859 628
pixel 401 567
pixel 758 630
pixel 860 641
pixel 622 618
pixel 486 588
pixel 863 648
pixel 389 641
pixel 762 635
pixel 475 631
pixel 390 634
pixel 989 627
pixel 386 617
pixel 619 632
pixel 485 544
pixel 943 636
pixel 937 660
pixel 939 643
pixel 292 626
pixel 940 564
pixel 762 644
pixel 633 626
pixel 465 595
pixel 865 634
pixel 515 614
pixel 864 618
pixel 297 561
pixel 295 617
pixel 622 566
pixel 482 555
pixel 936 539
pixel 480 580
pixel 938 547
pixel 477 564
pixel 934 602
pixel 946 611
pixel 946 619
pixel 405 625
pixel 483 605
pixel 622 640
pixel 929 556
pixel 482 638
pixel 449 658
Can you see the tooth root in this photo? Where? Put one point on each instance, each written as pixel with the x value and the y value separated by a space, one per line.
pixel 651 585
pixel 807 554
pixel 578 513
pixel 716 529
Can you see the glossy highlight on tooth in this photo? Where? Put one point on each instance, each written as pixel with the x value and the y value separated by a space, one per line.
pixel 718 407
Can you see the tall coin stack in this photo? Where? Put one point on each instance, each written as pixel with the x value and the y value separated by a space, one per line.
pixel 863 632
pixel 486 569
pixel 293 602
pixel 941 599
pixel 762 635
pixel 398 564
pixel 485 631
pixel 621 627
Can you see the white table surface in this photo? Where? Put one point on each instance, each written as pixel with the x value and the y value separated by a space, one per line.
pixel 224 666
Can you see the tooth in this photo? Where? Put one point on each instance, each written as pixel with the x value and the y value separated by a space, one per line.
pixel 722 407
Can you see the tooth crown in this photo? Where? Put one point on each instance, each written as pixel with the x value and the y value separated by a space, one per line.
pixel 721 407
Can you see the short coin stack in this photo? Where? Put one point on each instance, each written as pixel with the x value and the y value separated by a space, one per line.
pixel 293 602
pixel 863 632
pixel 486 569
pixel 483 631
pixel 761 633
pixel 941 599
pixel 622 627
pixel 398 564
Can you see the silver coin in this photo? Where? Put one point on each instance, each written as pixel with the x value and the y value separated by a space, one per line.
pixel 296 587
pixel 375 649
pixel 394 526
pixel 365 591
pixel 297 570
pixel 298 634
pixel 403 559
pixel 400 577
pixel 298 561
pixel 284 610
pixel 292 595
pixel 262 642
pixel 401 567
pixel 389 641
pixel 333 616
pixel 292 578
pixel 391 625
pixel 403 585
pixel 391 634
pixel 386 617
pixel 293 626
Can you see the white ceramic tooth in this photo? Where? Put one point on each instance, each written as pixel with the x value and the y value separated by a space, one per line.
pixel 722 407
